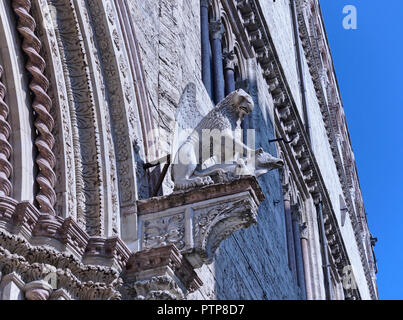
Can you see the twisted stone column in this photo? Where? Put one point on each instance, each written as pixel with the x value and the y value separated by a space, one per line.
pixel 5 147
pixel 41 105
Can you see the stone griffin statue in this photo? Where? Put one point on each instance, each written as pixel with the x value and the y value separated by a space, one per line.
pixel 191 168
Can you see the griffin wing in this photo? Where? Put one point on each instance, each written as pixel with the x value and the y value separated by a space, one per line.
pixel 188 115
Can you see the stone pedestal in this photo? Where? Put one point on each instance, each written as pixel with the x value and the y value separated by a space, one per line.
pixel 198 220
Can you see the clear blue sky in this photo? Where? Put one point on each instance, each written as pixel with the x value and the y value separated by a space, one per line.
pixel 369 67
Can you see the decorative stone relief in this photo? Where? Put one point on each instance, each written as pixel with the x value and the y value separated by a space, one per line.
pixel 165 230
pixel 65 187
pixel 121 104
pixel 161 287
pixel 84 120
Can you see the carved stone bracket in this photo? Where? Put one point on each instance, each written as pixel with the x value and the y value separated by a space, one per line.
pixel 229 60
pixel 198 220
pixel 112 252
pixel 159 273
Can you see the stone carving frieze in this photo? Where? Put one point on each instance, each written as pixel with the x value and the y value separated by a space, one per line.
pixel 165 230
pixel 112 62
pixel 63 149
pixel 83 114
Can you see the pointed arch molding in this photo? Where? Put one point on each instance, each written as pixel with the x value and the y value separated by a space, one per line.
pixel 81 153
pixel 99 108
pixel 41 105
pixel 18 114
pixel 105 121
pixel 121 97
pixel 5 147
pixel 123 78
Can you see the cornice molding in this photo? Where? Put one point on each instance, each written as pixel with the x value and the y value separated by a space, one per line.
pixel 289 124
pixel 312 51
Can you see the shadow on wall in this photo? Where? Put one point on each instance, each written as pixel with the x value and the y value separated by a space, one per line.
pixel 252 264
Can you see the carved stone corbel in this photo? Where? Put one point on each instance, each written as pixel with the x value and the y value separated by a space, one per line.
pixel 161 273
pixel 229 60
pixel 198 220
pixel 111 252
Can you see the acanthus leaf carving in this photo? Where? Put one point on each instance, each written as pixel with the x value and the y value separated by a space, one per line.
pixel 165 230
pixel 214 225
